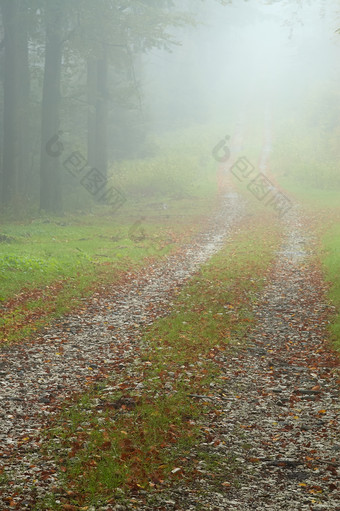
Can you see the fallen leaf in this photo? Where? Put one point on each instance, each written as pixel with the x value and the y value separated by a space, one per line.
pixel 176 470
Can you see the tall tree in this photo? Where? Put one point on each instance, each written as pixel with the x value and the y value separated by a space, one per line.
pixel 16 97
pixel 50 173
pixel 23 99
pixel 116 37
pixel 97 81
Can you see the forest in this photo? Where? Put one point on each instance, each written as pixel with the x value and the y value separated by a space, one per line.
pixel 169 255
pixel 76 102
pixel 73 69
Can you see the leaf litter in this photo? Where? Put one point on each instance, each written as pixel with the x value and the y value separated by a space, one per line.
pixel 274 408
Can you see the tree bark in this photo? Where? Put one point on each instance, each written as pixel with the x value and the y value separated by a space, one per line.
pixel 97 83
pixel 102 116
pixel 92 86
pixel 9 10
pixel 50 173
pixel 24 152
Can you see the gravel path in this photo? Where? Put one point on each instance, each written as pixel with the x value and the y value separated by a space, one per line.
pixel 276 413
pixel 36 377
pixel 277 402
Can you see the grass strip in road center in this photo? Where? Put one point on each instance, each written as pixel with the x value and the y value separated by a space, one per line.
pixel 143 432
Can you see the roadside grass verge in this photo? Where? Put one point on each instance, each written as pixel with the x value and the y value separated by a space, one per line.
pixel 142 430
pixel 331 262
pixel 49 265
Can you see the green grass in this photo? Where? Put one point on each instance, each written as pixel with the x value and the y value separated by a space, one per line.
pixel 312 198
pixel 182 164
pixel 41 253
pixel 49 264
pixel 331 261
pixel 104 452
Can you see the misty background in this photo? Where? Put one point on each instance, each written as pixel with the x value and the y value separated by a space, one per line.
pixel 243 56
pixel 143 90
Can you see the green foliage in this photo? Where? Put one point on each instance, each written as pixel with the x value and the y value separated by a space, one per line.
pixel 25 265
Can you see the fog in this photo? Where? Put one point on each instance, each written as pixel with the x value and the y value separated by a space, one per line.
pixel 112 79
pixel 244 55
pixel 169 254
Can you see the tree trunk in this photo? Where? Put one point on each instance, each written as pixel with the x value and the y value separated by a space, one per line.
pixel 102 117
pixel 24 152
pixel 16 99
pixel 11 105
pixel 97 70
pixel 50 173
pixel 92 86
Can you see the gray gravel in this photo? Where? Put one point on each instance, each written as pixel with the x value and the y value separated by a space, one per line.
pixel 277 398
